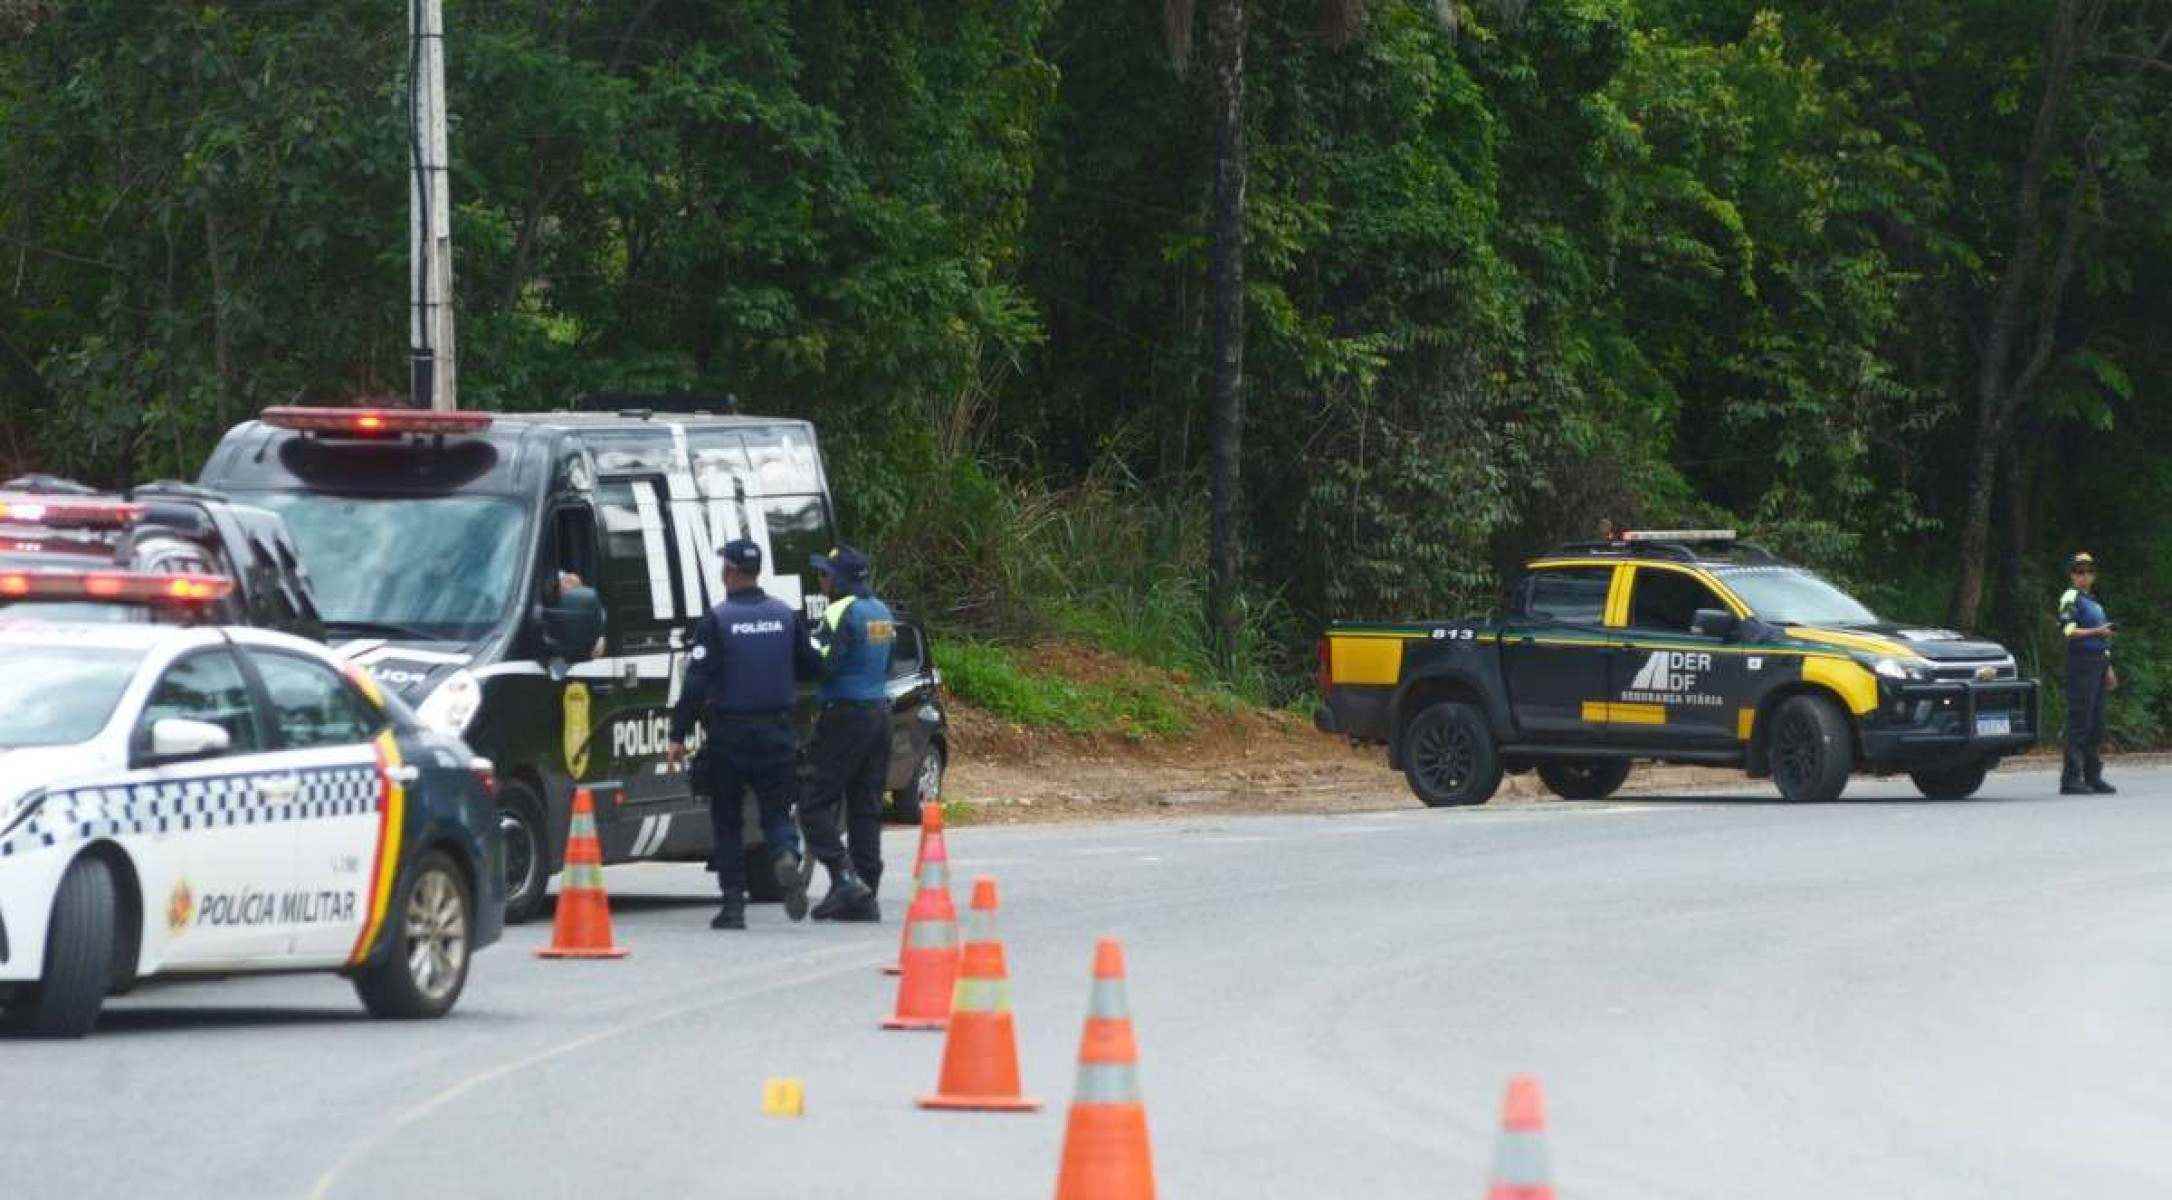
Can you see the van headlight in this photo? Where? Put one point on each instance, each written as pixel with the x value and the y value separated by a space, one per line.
pixel 1904 670
pixel 451 706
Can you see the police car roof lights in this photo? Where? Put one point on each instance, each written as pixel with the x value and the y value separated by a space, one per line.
pixel 1678 535
pixel 114 585
pixel 375 422
pixel 68 512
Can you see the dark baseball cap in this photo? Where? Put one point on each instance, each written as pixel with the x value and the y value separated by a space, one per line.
pixel 846 563
pixel 2081 561
pixel 743 555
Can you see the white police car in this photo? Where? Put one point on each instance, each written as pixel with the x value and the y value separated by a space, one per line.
pixel 189 800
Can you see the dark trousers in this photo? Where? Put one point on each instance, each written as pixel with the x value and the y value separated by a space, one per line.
pixel 2084 716
pixel 739 756
pixel 851 762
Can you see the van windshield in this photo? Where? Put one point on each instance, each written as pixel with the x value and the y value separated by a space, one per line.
pixel 440 567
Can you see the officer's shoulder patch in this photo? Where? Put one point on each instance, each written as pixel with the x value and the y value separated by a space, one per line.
pixel 879 630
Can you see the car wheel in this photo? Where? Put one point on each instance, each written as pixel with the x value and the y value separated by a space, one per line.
pixel 79 947
pixel 422 973
pixel 1952 783
pixel 926 788
pixel 1449 757
pixel 526 847
pixel 1584 778
pixel 1811 750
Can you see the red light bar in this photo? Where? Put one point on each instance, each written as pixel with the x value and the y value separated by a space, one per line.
pixel 68 511
pixel 371 422
pixel 112 585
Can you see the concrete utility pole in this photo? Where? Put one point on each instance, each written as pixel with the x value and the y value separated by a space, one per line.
pixel 430 329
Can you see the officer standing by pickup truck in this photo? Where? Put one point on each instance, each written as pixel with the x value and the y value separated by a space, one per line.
pixel 852 738
pixel 2089 673
pixel 741 681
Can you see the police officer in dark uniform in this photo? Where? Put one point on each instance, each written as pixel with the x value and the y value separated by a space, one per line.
pixel 852 738
pixel 741 682
pixel 2088 674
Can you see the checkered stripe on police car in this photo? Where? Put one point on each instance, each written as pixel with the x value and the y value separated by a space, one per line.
pixel 189 804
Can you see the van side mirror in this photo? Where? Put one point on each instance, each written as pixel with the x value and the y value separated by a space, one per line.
pixel 1714 622
pixel 572 626
pixel 178 739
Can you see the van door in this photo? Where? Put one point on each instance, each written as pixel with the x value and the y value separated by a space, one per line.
pixel 624 695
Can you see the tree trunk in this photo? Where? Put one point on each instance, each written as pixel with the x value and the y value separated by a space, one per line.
pixel 1225 554
pixel 2011 359
pixel 2008 607
pixel 222 339
pixel 1975 529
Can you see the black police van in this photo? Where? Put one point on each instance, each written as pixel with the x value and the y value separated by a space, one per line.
pixel 440 544
pixel 113 544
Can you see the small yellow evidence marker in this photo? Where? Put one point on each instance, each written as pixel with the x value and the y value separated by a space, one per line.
pixel 783 1098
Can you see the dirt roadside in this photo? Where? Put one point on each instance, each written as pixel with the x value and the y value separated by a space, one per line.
pixel 1252 762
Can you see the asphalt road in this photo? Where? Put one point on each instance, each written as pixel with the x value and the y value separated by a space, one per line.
pixel 1724 996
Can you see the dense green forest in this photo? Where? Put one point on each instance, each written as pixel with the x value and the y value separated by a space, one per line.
pixel 1884 283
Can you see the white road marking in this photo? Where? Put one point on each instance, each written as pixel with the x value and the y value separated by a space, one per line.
pixel 409 1116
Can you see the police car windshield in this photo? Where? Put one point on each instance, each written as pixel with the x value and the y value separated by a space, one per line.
pixel 438 567
pixel 60 695
pixel 1792 596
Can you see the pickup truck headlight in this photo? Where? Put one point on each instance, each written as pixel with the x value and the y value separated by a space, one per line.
pixel 451 706
pixel 1902 670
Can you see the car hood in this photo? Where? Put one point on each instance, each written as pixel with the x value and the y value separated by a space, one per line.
pixel 1937 645
pixel 46 767
pixel 408 669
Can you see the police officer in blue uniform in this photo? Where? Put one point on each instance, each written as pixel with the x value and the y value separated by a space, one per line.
pixel 741 682
pixel 852 738
pixel 2089 673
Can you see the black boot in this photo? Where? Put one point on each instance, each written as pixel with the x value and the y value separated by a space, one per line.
pixel 2070 777
pixel 732 914
pixel 2102 788
pixel 847 894
pixel 792 878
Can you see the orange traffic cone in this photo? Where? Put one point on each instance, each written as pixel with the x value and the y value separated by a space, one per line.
pixel 930 956
pixel 1519 1162
pixel 931 821
pixel 583 928
pixel 1106 1155
pixel 980 1057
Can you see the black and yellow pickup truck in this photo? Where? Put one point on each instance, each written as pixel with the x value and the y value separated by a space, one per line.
pixel 1682 646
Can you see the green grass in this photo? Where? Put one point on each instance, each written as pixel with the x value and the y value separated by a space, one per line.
pixel 1004 682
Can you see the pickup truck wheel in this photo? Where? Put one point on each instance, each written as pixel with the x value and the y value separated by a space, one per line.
pixel 1449 757
pixel 79 947
pixel 1952 783
pixel 1584 778
pixel 1811 750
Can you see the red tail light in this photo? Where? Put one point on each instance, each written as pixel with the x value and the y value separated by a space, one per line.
pixel 375 422
pixel 108 585
pixel 68 512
